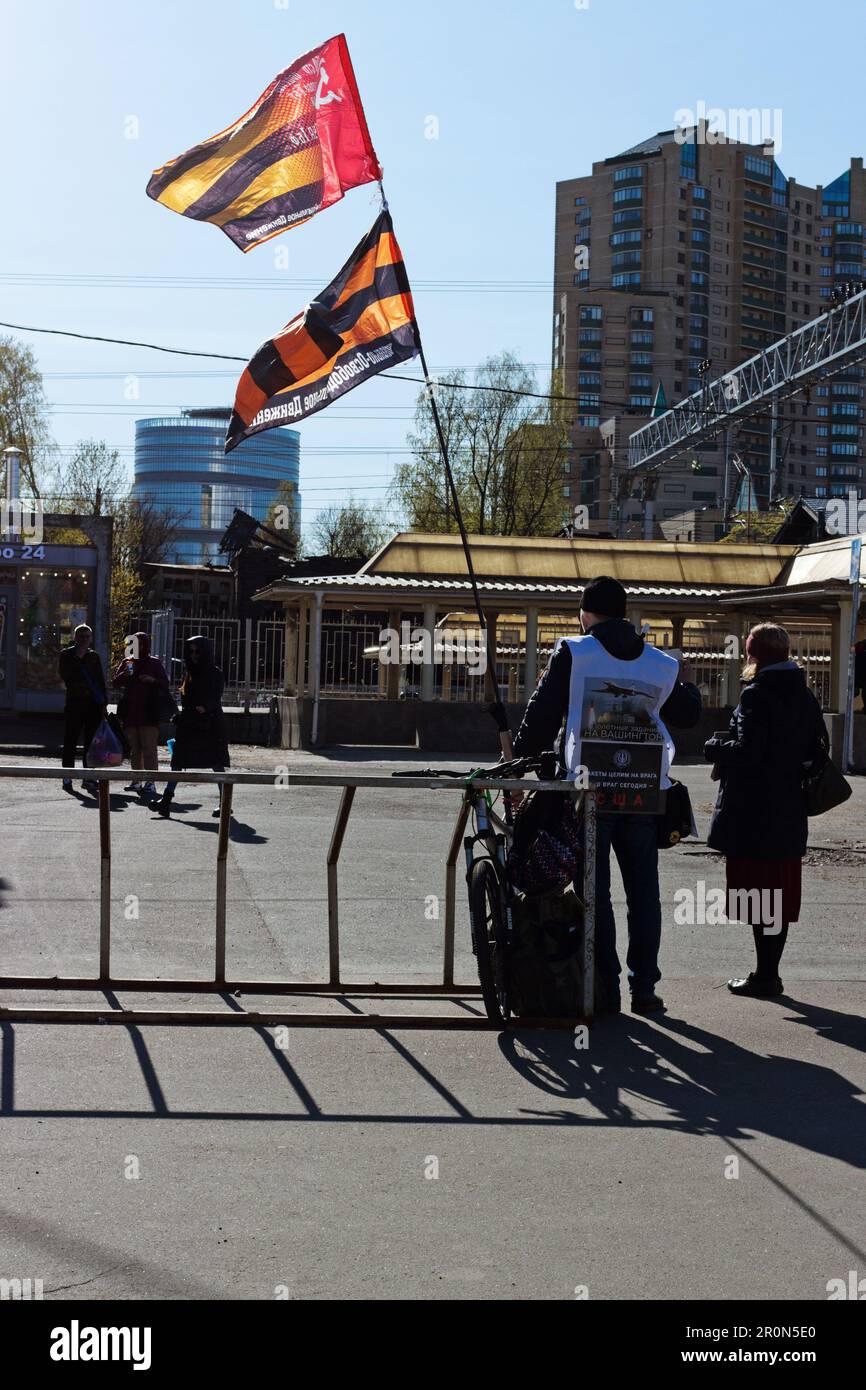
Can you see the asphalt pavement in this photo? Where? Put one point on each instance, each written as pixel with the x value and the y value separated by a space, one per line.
pixel 713 1152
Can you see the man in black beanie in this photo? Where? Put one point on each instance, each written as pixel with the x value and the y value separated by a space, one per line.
pixel 612 649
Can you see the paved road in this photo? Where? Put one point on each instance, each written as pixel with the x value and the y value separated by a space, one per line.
pixel 208 1162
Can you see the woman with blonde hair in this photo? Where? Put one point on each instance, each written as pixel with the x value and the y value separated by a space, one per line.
pixel 760 822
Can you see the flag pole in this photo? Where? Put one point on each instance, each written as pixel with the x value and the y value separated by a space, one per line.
pixel 497 708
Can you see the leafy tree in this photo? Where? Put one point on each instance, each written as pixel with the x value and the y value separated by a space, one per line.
pixel 507 455
pixel 24 415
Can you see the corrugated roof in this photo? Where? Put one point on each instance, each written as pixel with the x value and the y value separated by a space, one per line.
pixel 551 560
pixel 488 586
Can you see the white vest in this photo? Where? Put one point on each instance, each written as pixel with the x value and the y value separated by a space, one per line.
pixel 613 700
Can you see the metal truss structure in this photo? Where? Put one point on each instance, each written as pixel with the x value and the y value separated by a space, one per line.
pixel 819 349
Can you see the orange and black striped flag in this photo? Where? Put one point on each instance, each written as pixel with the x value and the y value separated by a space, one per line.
pixel 296 151
pixel 363 323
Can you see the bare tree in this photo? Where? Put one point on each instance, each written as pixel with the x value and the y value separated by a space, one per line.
pixel 351 530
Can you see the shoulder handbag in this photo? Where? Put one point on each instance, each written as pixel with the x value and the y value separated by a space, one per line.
pixel 823 784
pixel 676 821
pixel 547 849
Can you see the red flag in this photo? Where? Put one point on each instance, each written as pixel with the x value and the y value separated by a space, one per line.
pixel 297 150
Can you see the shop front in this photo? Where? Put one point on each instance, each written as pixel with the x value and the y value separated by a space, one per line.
pixel 45 592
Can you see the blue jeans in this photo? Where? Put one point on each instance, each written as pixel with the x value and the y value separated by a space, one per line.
pixel 633 840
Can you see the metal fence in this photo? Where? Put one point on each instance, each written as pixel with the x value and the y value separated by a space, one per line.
pixel 251 655
pixel 334 987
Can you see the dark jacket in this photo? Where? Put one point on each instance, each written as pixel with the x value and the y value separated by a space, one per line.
pixel 140 700
pixel 200 739
pixel 548 705
pixel 761 809
pixel 72 668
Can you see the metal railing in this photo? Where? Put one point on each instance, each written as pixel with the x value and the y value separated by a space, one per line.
pixel 334 987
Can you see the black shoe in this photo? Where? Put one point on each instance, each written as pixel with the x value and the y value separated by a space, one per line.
pixel 162 806
pixel 647 1004
pixel 216 814
pixel 67 786
pixel 91 786
pixel 754 988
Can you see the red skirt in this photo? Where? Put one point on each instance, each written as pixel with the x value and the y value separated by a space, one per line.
pixel 782 876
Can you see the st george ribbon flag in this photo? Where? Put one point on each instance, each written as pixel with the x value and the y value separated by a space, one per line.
pixel 297 151
pixel 363 323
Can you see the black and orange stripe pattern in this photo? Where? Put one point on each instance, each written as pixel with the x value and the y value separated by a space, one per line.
pixel 296 151
pixel 363 323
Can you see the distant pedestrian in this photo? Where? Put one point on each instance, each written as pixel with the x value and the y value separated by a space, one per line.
pixel 143 683
pixel 760 822
pixel 86 699
pixel 200 737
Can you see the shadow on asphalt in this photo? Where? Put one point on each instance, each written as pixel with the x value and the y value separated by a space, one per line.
pixel 705 1083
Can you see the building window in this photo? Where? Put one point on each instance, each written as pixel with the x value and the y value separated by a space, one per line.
pixel 628 195
pixel 626 238
pixel 624 258
pixel 625 279
pixel 754 165
pixel 591 313
pixel 634 171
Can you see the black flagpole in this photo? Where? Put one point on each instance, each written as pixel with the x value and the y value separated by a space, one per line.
pixel 497 708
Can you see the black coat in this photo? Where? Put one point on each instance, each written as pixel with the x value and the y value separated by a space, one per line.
pixel 80 690
pixel 760 810
pixel 200 739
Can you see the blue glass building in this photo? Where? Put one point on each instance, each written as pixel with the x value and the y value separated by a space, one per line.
pixel 180 466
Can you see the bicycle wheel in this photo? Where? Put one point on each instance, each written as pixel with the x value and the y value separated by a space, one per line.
pixel 489 938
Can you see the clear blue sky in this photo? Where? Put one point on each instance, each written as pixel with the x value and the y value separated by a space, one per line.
pixel 525 94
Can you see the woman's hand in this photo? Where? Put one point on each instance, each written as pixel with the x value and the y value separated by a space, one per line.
pixel 200 709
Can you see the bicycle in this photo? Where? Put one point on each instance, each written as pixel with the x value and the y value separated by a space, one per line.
pixel 489 888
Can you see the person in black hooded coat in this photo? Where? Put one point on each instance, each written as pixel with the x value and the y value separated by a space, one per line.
pixel 200 733
pixel 760 822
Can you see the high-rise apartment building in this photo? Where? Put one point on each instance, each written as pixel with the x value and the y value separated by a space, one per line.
pixel 688 250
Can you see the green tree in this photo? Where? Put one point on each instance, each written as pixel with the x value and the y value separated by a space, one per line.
pixel 24 415
pixel 507 455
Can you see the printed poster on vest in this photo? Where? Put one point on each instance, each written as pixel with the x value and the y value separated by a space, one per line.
pixel 614 729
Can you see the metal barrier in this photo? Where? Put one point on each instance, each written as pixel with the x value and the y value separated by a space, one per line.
pixel 335 987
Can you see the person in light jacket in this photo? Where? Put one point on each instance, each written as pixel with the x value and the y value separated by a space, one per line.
pixel 612 644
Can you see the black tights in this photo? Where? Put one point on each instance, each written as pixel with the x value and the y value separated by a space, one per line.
pixel 769 952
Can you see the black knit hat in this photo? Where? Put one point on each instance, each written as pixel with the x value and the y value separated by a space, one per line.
pixel 604 596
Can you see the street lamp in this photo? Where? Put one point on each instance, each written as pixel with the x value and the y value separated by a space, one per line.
pixel 13 472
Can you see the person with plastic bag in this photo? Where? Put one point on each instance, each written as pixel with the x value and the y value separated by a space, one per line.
pixel 200 733
pixel 145 694
pixel 86 699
